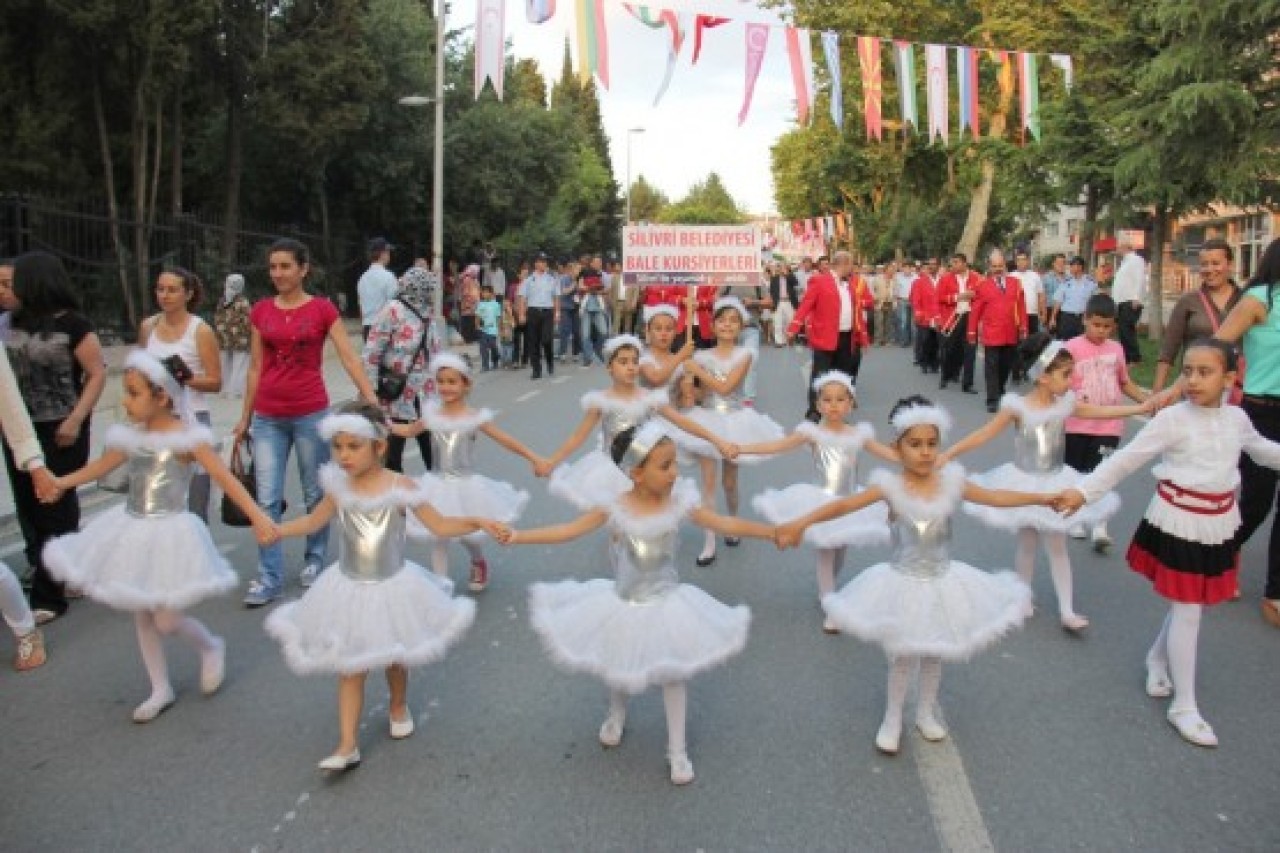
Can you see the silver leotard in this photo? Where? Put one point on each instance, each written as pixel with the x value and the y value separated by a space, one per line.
pixel 921 547
pixel 730 402
pixel 614 422
pixel 372 546
pixel 837 473
pixel 453 449
pixel 158 483
pixel 644 566
pixel 1039 448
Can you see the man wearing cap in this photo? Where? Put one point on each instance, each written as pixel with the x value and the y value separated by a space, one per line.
pixel 537 309
pixel 1069 301
pixel 378 285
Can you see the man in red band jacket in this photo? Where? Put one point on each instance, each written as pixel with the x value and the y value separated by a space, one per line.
pixel 999 318
pixel 833 306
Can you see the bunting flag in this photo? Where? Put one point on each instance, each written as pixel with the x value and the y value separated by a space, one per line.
pixel 704 22
pixel 801 73
pixel 539 11
pixel 490 44
pixel 593 42
pixel 831 48
pixel 670 20
pixel 1063 61
pixel 1004 77
pixel 935 56
pixel 967 88
pixel 757 43
pixel 841 230
pixel 872 85
pixel 1029 87
pixel 905 61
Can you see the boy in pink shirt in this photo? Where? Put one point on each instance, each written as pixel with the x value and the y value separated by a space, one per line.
pixel 1100 378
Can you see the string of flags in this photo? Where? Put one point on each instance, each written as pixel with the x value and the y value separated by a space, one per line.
pixel 592 40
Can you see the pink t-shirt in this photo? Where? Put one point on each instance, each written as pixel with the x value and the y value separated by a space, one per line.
pixel 291 381
pixel 1098 378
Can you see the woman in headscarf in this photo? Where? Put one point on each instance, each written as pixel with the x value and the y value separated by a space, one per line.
pixel 231 325
pixel 402 340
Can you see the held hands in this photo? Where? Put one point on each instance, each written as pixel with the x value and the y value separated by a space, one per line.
pixel 1067 502
pixel 542 467
pixel 788 535
pixel 728 449
pixel 49 489
pixel 265 531
pixel 497 531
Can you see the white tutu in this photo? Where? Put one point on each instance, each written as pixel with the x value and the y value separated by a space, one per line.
pixel 951 617
pixel 133 563
pixel 1009 476
pixel 346 626
pixel 867 526
pixel 589 482
pixel 740 426
pixel 473 495
pixel 587 627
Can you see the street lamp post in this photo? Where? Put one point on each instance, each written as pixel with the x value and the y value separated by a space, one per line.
pixel 630 133
pixel 437 166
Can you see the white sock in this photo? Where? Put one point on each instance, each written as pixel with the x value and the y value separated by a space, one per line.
pixel 930 682
pixel 1055 545
pixel 440 558
pixel 1158 654
pixel 675 700
pixel 13 604
pixel 152 647
pixel 618 704
pixel 1024 560
pixel 1184 634
pixel 708 545
pixel 186 627
pixel 826 571
pixel 900 671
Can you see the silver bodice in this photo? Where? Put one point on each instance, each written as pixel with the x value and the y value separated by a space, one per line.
pixel 614 422
pixel 453 451
pixel 644 566
pixel 1039 448
pixel 730 402
pixel 921 547
pixel 158 483
pixel 372 548
pixel 837 474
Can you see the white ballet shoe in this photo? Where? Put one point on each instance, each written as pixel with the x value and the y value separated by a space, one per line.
pixel 681 768
pixel 1074 623
pixel 341 762
pixel 401 729
pixel 1193 728
pixel 1158 684
pixel 213 668
pixel 829 627
pixel 155 705
pixel 889 736
pixel 611 730
pixel 929 726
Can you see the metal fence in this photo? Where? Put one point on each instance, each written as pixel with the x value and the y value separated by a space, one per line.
pixel 79 233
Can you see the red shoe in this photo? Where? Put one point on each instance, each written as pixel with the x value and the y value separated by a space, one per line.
pixel 479 576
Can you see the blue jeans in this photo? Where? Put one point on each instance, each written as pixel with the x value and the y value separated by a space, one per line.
pixel 569 332
pixel 906 324
pixel 273 438
pixel 595 331
pixel 490 358
pixel 750 339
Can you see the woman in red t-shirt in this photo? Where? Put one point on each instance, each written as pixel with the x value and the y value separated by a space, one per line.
pixel 285 399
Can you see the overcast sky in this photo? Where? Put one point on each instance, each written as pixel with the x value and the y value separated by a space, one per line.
pixel 694 130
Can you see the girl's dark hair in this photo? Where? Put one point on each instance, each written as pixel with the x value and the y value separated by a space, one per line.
pixel 1217 244
pixel 1268 272
pixel 370 412
pixel 301 255
pixel 1031 348
pixel 190 283
pixel 907 403
pixel 43 289
pixel 622 443
pixel 1230 360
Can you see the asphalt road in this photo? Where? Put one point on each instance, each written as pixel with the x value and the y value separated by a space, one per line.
pixel 1053 746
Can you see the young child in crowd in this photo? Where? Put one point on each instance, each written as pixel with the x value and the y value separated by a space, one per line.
pixel 488 318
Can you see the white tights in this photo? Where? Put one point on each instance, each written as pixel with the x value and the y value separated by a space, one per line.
pixel 151 625
pixel 13 604
pixel 675 699
pixel 1175 652
pixel 730 471
pixel 1055 547
pixel 440 554
pixel 829 562
pixel 900 671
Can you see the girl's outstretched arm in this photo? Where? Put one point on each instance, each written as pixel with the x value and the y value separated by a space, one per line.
pixel 791 532
pixel 312 521
pixel 110 460
pixel 1105 413
pixel 1004 498
pixel 731 526
pixel 884 451
pixel 672 414
pixel 511 443
pixel 978 437
pixel 780 445
pixel 234 489
pixel 409 430
pixel 572 443
pixel 557 533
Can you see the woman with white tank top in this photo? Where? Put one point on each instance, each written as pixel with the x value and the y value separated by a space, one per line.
pixel 177 331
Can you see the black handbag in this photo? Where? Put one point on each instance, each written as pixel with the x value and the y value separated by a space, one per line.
pixel 391 383
pixel 242 469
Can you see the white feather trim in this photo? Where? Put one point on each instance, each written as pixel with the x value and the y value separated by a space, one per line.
pixel 635 407
pixel 914 416
pixel 708 358
pixel 435 418
pixel 1028 416
pixel 126 437
pixel 337 485
pixel 684 498
pixel 944 503
pixel 851 438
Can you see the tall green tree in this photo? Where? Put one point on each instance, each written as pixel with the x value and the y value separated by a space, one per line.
pixel 646 200
pixel 708 202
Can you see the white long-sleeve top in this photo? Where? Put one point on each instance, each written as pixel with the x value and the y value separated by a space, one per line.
pixel 1131 280
pixel 16 422
pixel 1200 449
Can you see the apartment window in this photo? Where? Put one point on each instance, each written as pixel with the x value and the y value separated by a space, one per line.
pixel 1051 230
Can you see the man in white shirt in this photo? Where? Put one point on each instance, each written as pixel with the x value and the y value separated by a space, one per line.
pixel 378 285
pixel 1130 293
pixel 902 281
